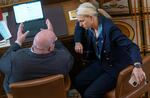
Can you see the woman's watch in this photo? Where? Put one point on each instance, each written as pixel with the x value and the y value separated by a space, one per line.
pixel 137 65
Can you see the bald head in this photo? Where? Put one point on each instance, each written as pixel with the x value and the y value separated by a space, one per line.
pixel 44 41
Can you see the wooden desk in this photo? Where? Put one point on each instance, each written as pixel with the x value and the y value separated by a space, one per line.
pixel 67 6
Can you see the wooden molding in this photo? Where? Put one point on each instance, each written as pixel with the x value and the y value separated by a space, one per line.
pixel 9 3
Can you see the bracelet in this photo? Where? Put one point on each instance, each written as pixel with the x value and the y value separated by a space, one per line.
pixel 137 65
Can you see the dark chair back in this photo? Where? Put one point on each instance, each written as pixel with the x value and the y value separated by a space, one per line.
pixel 47 87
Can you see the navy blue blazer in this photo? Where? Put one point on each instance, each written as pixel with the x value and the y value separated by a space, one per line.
pixel 116 51
pixel 78 32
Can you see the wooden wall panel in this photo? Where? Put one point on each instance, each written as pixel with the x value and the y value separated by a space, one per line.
pixel 147 32
pixel 68 6
pixel 7 3
pixel 134 28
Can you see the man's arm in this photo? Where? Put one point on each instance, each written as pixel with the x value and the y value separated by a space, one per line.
pixel 20 39
pixel 21 35
pixel 67 57
pixel 5 61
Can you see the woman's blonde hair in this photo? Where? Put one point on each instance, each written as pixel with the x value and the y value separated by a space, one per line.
pixel 87 8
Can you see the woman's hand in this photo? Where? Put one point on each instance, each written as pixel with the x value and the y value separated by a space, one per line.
pixel 139 74
pixel 78 47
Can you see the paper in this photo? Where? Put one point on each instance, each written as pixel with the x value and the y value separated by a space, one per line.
pixel 73 14
pixel 5 16
pixel 4 43
pixel 4 31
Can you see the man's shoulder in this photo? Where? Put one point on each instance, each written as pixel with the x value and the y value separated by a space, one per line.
pixel 62 52
pixel 21 52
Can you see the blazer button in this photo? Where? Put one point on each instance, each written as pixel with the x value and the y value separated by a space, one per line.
pixel 102 41
pixel 99 56
pixel 110 65
pixel 104 51
pixel 107 58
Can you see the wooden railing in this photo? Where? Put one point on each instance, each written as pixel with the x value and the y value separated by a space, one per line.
pixel 8 3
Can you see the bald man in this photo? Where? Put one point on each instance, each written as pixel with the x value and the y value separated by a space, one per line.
pixel 41 60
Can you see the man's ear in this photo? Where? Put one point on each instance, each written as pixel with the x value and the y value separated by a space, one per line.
pixel 49 49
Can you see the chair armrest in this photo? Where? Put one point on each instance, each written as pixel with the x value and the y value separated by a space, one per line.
pixel 125 72
pixel 46 87
pixel 67 83
pixel 38 81
pixel 123 78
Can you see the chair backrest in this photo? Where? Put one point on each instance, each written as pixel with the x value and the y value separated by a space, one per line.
pixel 123 87
pixel 146 67
pixel 126 29
pixel 125 90
pixel 47 87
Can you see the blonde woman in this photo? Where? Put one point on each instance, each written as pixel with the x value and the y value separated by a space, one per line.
pixel 79 31
pixel 113 50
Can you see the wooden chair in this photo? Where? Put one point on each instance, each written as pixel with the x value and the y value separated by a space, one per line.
pixel 47 87
pixel 125 90
pixel 126 29
pixel 2 92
